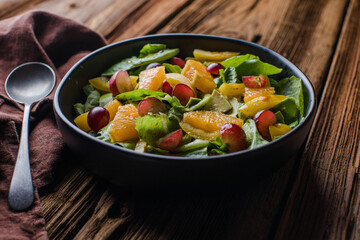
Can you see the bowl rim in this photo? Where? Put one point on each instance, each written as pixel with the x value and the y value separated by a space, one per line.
pixel 151 156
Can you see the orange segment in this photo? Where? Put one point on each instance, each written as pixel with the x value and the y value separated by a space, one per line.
pixel 112 107
pixel 198 133
pixel 101 83
pixel 203 55
pixel 176 78
pixel 199 77
pixel 134 80
pixel 209 121
pixel 232 89
pixel 152 79
pixel 261 103
pixel 122 128
pixel 81 122
pixel 251 93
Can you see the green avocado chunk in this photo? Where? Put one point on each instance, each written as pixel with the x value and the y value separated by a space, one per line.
pixel 218 103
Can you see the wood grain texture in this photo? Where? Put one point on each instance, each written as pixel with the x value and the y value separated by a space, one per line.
pixel 305 32
pixel 325 200
pixel 81 206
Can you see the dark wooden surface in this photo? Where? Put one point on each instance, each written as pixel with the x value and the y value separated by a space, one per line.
pixel 314 196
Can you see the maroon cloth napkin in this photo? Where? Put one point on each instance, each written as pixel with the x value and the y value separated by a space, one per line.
pixel 60 43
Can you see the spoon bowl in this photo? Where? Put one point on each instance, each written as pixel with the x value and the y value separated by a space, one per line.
pixel 26 84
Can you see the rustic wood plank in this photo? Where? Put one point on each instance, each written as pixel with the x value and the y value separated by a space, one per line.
pixel 146 19
pixel 101 16
pixel 239 212
pixel 302 31
pixel 325 200
pixel 10 8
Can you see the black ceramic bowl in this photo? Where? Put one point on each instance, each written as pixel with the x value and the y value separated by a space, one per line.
pixel 142 170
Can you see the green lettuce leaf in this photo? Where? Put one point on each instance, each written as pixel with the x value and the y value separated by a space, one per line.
pixel 79 108
pixel 138 95
pixel 169 68
pixel 133 62
pixel 196 144
pixel 293 87
pixel 289 110
pixel 105 99
pixel 151 48
pixel 197 153
pixel 92 100
pixel 229 75
pixel 153 127
pixel 253 137
pixel 237 60
pixel 254 67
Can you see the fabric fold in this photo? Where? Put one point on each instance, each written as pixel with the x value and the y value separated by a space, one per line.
pixel 60 43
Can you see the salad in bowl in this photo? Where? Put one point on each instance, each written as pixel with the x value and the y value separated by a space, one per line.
pixel 210 103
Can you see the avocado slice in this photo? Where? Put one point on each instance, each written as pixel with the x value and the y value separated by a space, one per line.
pixel 218 103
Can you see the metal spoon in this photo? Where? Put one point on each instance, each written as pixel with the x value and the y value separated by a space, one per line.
pixel 26 84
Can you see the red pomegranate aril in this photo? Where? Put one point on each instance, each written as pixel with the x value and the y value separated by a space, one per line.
pixel 263 120
pixel 167 88
pixel 183 92
pixel 151 105
pixel 254 81
pixel 214 68
pixel 171 141
pixel 98 117
pixel 177 61
pixel 233 136
pixel 153 65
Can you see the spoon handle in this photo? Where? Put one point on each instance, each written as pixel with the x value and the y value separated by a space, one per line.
pixel 21 192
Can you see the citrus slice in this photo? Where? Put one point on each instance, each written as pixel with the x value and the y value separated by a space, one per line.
pixel 134 80
pixel 176 78
pixel 251 93
pixel 206 124
pixel 81 122
pixel 202 55
pixel 199 133
pixel 199 77
pixel 278 130
pixel 152 78
pixel 261 103
pixel 112 107
pixel 122 128
pixel 100 83
pixel 232 89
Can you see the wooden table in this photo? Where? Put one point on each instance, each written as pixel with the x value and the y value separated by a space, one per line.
pixel 315 196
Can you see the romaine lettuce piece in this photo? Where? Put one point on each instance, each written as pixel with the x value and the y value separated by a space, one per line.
pixel 293 87
pixel 253 137
pixel 196 144
pixel 153 127
pixel 151 48
pixel 236 61
pixel 289 110
pixel 228 75
pixel 105 99
pixel 92 100
pixel 139 94
pixel 133 62
pixel 255 67
pixel 169 68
